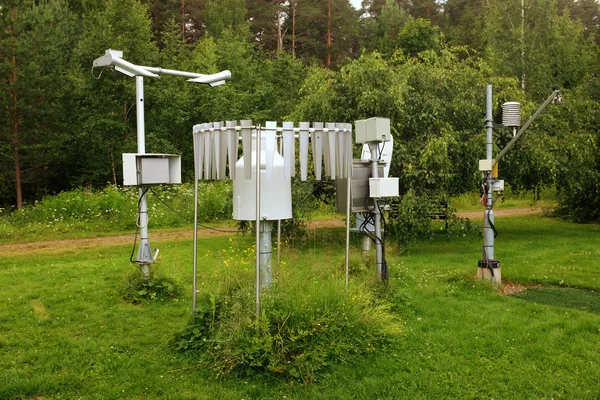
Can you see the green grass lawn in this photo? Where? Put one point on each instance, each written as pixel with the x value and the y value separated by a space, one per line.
pixel 65 332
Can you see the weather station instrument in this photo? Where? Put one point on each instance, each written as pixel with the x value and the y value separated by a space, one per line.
pixel 489 267
pixel 262 176
pixel 142 169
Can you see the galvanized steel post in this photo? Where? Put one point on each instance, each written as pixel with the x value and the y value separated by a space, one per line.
pixel 378 243
pixel 144 258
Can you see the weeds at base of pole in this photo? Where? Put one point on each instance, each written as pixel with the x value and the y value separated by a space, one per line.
pixel 305 326
pixel 137 288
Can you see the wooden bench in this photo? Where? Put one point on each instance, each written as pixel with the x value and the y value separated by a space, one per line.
pixel 439 211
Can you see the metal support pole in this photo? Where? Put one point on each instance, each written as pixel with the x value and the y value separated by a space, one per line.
pixel 366 241
pixel 144 258
pixel 266 253
pixel 257 226
pixel 378 245
pixel 489 267
pixel 279 223
pixel 278 246
pixel 195 273
pixel 348 209
pixel 139 101
pixel 366 245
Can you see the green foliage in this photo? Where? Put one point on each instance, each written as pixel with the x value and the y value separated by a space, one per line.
pixel 305 326
pixel 223 15
pixel 66 128
pixel 546 49
pixel 115 209
pixel 579 180
pixel 197 334
pixel 138 288
pixel 381 33
pixel 464 23
pixel 315 22
pixel 419 35
pixel 100 123
pixel 35 43
pixel 410 219
pixel 81 206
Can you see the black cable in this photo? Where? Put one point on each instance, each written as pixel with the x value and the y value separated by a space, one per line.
pixel 492 224
pixel 384 268
pixel 369 219
pixel 486 188
pixel 188 220
pixel 380 152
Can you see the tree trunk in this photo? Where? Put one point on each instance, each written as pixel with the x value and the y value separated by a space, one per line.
pixel 114 168
pixel 278 27
pixel 15 136
pixel 155 23
pixel 523 45
pixel 329 34
pixel 294 4
pixel 183 19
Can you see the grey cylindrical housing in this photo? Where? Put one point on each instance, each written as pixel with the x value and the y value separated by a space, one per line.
pixel 511 114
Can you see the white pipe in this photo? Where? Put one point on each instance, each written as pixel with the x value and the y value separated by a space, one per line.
pixel 139 93
pixel 214 78
pixel 226 74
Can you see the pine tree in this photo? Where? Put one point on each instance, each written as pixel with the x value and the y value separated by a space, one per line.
pixel 35 47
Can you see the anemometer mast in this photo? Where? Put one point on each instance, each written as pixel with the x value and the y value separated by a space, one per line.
pixel 489 267
pixel 142 169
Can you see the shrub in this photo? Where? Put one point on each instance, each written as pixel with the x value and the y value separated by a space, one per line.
pixel 137 288
pixel 410 219
pixel 115 209
pixel 305 325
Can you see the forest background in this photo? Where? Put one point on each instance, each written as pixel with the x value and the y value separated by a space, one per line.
pixel 422 63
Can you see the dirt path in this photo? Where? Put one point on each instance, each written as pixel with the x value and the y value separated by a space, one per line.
pixel 499 213
pixel 60 246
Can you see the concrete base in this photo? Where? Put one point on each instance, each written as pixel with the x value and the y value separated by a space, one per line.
pixel 485 273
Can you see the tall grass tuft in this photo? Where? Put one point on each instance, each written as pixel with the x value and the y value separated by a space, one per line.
pixel 305 325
